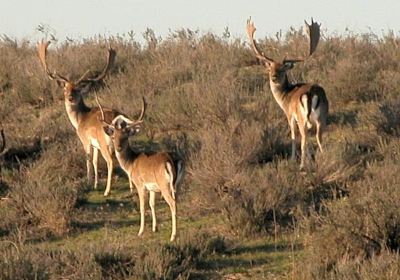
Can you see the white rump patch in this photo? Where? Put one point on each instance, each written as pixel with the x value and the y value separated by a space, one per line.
pixel 170 178
pixel 94 143
pixel 304 103
pixel 167 176
pixel 314 102
pixel 109 142
pixel 151 187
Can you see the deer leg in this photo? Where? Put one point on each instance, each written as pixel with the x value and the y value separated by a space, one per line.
pixel 292 125
pixel 142 194
pixel 172 205
pixel 130 185
pixel 303 132
pixel 95 161
pixel 107 156
pixel 319 137
pixel 88 151
pixel 152 203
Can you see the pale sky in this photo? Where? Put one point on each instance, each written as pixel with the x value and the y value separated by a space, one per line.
pixel 85 18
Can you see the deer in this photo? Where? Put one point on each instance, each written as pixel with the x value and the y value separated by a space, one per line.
pixel 148 173
pixel 84 119
pixel 304 104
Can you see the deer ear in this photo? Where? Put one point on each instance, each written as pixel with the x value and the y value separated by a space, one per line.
pixel 132 130
pixel 288 65
pixel 267 64
pixel 108 129
pixel 85 88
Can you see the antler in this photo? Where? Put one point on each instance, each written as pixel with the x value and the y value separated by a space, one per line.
pixel 42 52
pixel 314 34
pixel 128 121
pixel 144 106
pixel 141 117
pixel 101 109
pixel 110 61
pixel 3 145
pixel 250 28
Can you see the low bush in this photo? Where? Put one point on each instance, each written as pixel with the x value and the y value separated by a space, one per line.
pixel 43 194
pixel 110 261
pixel 177 260
pixel 383 118
pixel 360 225
pixel 20 261
pixel 385 265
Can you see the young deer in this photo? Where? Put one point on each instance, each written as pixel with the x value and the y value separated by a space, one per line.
pixel 152 173
pixel 304 104
pixel 84 119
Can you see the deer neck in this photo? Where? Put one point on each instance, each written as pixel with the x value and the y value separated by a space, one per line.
pixel 126 156
pixel 76 111
pixel 281 92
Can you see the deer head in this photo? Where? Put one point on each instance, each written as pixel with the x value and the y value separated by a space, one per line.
pixel 277 70
pixel 73 90
pixel 121 127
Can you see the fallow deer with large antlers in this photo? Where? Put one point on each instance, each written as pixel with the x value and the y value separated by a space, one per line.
pixel 304 104
pixel 149 173
pixel 84 119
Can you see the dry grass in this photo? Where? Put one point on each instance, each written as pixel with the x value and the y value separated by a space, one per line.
pixel 209 103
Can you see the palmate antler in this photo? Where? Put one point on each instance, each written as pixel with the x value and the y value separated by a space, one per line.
pixel 110 61
pixel 250 28
pixel 42 52
pixel 313 31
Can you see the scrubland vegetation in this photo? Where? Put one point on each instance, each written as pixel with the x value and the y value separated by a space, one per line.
pixel 245 211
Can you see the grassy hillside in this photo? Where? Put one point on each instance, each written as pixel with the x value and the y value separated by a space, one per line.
pixel 245 211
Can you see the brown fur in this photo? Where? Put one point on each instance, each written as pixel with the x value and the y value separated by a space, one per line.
pixel 85 120
pixel 89 127
pixel 148 173
pixel 296 101
pixel 153 163
pixel 304 104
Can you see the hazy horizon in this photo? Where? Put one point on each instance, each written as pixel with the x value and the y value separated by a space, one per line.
pixel 82 19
